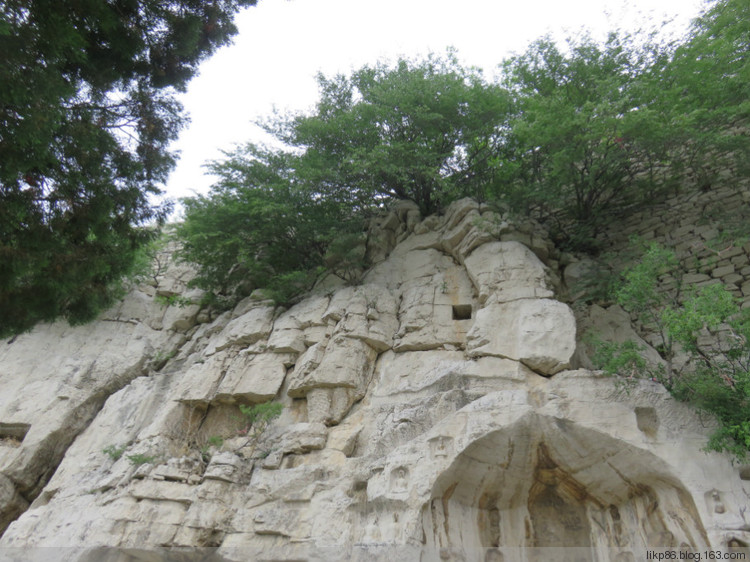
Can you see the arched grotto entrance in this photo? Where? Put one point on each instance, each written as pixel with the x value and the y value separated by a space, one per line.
pixel 546 483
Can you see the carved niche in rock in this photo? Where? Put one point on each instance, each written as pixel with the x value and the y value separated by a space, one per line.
pixel 531 486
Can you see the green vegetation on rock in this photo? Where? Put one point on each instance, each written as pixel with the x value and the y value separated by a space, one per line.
pixel 705 330
pixel 575 135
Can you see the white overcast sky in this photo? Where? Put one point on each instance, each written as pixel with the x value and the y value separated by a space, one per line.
pixel 283 44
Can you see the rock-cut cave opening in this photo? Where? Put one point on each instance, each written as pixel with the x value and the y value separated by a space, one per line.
pixel 548 483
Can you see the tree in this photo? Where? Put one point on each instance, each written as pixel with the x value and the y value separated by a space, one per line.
pixel 87 111
pixel 261 226
pixel 600 128
pixel 705 89
pixel 420 130
pixel 575 148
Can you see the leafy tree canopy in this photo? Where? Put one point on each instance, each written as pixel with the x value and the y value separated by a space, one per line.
pixel 87 110
pixel 569 149
pixel 600 127
pixel 573 134
pixel 421 130
pixel 262 226
pixel 705 89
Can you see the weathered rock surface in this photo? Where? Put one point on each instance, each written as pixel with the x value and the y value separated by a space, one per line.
pixel 540 333
pixel 429 413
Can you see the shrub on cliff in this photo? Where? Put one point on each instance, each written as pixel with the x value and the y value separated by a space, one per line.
pixel 707 327
pixel 261 226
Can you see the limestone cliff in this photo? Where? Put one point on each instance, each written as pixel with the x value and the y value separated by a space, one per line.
pixel 434 411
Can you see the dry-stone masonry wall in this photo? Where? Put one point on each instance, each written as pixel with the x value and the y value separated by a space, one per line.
pixel 432 412
pixel 704 228
pixel 692 225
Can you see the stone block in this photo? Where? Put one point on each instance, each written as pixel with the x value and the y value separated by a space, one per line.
pixel 344 438
pixel 506 271
pixel 252 326
pixel 345 362
pixel 707 233
pixel 254 377
pixel 224 466
pixel 692 278
pixel 515 236
pixel 683 230
pixel 199 382
pixel 453 237
pixel 437 313
pixel 302 438
pixel 722 271
pixel 163 490
pixel 458 210
pixel 732 252
pixel 285 522
pixel 287 341
pixel 540 333
pixel 732 279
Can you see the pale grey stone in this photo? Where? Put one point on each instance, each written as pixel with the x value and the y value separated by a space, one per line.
pixel 415 422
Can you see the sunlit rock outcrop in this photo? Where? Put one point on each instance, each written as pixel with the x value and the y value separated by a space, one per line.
pixel 435 411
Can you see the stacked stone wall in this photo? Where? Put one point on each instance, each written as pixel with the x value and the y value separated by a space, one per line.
pixel 699 228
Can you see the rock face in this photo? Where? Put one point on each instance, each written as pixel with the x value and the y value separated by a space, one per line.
pixel 435 411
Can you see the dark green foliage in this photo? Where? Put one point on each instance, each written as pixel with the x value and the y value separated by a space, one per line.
pixel 625 359
pixel 261 226
pixel 87 111
pixel 215 441
pixel 114 452
pixel 716 333
pixel 139 459
pixel 705 89
pixel 641 295
pixel 345 256
pixel 597 129
pixel 570 150
pixel 261 413
pixel 419 130
pixel 256 418
pixel 730 403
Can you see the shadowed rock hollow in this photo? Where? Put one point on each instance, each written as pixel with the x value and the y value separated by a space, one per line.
pixel 435 411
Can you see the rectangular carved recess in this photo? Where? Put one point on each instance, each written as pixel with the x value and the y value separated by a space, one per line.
pixel 12 434
pixel 462 312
